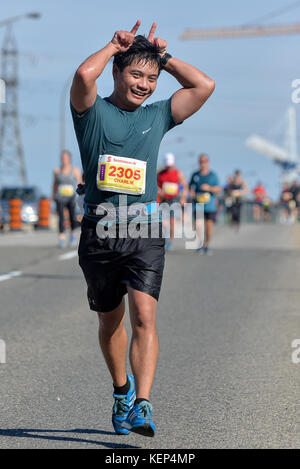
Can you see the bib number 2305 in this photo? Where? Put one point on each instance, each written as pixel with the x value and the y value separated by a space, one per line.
pixel 121 175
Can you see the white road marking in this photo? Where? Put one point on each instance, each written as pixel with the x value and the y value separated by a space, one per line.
pixel 18 273
pixel 9 275
pixel 68 255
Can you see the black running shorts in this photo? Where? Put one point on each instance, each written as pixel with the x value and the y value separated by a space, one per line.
pixel 110 264
pixel 207 216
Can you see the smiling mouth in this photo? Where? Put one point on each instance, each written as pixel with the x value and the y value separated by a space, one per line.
pixel 139 93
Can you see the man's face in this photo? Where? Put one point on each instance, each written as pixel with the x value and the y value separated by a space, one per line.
pixel 135 83
pixel 65 158
pixel 204 163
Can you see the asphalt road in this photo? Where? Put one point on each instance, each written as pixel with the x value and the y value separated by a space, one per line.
pixel 225 376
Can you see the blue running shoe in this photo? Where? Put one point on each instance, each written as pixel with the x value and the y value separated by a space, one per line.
pixel 139 419
pixel 169 245
pixel 62 243
pixel 123 404
pixel 72 240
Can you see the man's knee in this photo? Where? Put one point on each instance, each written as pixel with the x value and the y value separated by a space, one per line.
pixel 144 319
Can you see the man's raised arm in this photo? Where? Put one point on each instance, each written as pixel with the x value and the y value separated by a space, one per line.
pixel 197 87
pixel 84 88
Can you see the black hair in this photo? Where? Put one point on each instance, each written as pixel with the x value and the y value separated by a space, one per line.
pixel 203 154
pixel 141 50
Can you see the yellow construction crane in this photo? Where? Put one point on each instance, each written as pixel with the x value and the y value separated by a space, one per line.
pixel 240 31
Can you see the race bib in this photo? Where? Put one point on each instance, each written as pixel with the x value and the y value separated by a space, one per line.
pixel 228 202
pixel 66 190
pixel 236 194
pixel 121 175
pixel 292 204
pixel 203 198
pixel 170 188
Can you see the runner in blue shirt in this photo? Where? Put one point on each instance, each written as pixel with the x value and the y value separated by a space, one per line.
pixel 204 186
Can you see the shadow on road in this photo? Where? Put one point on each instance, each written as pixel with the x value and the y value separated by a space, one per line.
pixel 30 433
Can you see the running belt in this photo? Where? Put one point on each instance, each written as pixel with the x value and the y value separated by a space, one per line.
pixel 141 212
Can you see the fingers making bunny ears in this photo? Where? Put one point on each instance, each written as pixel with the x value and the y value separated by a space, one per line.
pixel 151 32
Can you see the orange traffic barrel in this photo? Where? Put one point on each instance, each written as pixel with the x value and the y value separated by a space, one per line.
pixel 15 219
pixel 44 214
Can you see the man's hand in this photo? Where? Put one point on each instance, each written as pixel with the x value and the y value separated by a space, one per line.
pixel 205 187
pixel 160 43
pixel 211 189
pixel 84 88
pixel 122 40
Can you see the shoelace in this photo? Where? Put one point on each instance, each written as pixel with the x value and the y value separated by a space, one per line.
pixel 120 406
pixel 145 409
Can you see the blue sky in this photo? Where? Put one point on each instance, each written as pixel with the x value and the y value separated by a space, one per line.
pixel 253 78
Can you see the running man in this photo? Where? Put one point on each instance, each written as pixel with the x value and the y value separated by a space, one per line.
pixel 259 193
pixel 288 204
pixel 227 199
pixel 169 181
pixel 295 190
pixel 118 128
pixel 204 186
pixel 66 177
pixel 237 189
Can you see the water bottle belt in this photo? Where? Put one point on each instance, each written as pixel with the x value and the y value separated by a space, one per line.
pixel 130 211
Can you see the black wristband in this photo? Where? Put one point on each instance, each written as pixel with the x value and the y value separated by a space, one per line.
pixel 165 59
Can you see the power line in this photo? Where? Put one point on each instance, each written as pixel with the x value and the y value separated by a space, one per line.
pixel 273 14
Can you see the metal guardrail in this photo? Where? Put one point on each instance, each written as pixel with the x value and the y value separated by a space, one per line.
pixel 247 213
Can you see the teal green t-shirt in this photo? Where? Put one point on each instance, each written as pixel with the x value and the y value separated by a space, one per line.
pixel 196 182
pixel 107 129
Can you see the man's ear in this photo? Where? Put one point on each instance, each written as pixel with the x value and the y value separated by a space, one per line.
pixel 115 71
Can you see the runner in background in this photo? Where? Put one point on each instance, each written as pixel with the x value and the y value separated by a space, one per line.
pixel 66 178
pixel 227 199
pixel 237 190
pixel 204 186
pixel 288 205
pixel 267 204
pixel 169 181
pixel 295 190
pixel 259 193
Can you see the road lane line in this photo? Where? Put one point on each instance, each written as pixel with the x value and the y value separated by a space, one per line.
pixel 9 275
pixel 68 255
